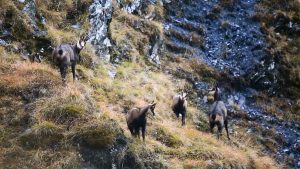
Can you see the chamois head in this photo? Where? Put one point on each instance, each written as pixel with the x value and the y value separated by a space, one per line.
pixel 81 43
pixel 183 95
pixel 217 94
pixel 152 107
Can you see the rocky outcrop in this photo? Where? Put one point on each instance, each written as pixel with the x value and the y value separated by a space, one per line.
pixel 131 6
pixel 101 12
pixel 100 15
pixel 30 10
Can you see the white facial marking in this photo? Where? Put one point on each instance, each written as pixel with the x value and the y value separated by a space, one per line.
pixel 82 43
pixel 78 45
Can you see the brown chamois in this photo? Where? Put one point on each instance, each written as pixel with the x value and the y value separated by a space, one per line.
pixel 136 119
pixel 65 55
pixel 218 114
pixel 179 106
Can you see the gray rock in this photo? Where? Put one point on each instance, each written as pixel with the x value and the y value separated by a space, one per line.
pixel 100 14
pixel 130 7
pixel 2 43
pixel 154 52
pixel 30 10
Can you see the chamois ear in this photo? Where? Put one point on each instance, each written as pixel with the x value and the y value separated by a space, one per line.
pixel 184 95
pixel 84 37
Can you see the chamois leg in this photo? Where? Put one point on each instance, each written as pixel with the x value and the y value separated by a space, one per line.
pixel 226 128
pixel 131 130
pixel 143 132
pixel 183 119
pixel 137 132
pixel 212 125
pixel 38 57
pixel 74 71
pixel 63 72
pixel 219 129
pixel 177 114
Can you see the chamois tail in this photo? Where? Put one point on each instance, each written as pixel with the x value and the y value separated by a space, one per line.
pixel 214 116
pixel 60 51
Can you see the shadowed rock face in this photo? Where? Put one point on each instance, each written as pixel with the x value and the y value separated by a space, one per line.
pixel 230 40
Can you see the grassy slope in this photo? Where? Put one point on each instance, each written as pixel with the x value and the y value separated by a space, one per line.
pixel 40 117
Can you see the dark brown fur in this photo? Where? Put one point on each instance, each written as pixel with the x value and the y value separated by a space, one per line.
pixel 179 106
pixel 218 114
pixel 65 55
pixel 136 119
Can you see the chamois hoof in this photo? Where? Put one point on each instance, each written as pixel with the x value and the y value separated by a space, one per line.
pixel 64 82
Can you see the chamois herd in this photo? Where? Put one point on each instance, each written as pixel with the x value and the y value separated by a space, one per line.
pixel 65 55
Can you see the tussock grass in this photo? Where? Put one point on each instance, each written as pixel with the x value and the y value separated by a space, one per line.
pixel 69 106
pixel 28 80
pixel 133 34
pixel 98 134
pixel 39 158
pixel 204 72
pixel 167 138
pixel 12 15
pixel 156 12
pixel 63 112
pixel 44 135
pixel 59 36
pixel 89 113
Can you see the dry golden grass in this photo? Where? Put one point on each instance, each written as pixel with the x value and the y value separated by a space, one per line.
pixel 89 111
pixel 126 34
pixel 12 14
pixel 156 11
pixel 26 77
pixel 59 36
pixel 134 85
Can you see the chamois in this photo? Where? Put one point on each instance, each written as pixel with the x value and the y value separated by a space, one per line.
pixel 136 119
pixel 179 106
pixel 218 114
pixel 67 54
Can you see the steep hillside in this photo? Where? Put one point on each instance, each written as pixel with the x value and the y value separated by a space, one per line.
pixel 130 60
pixel 45 124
